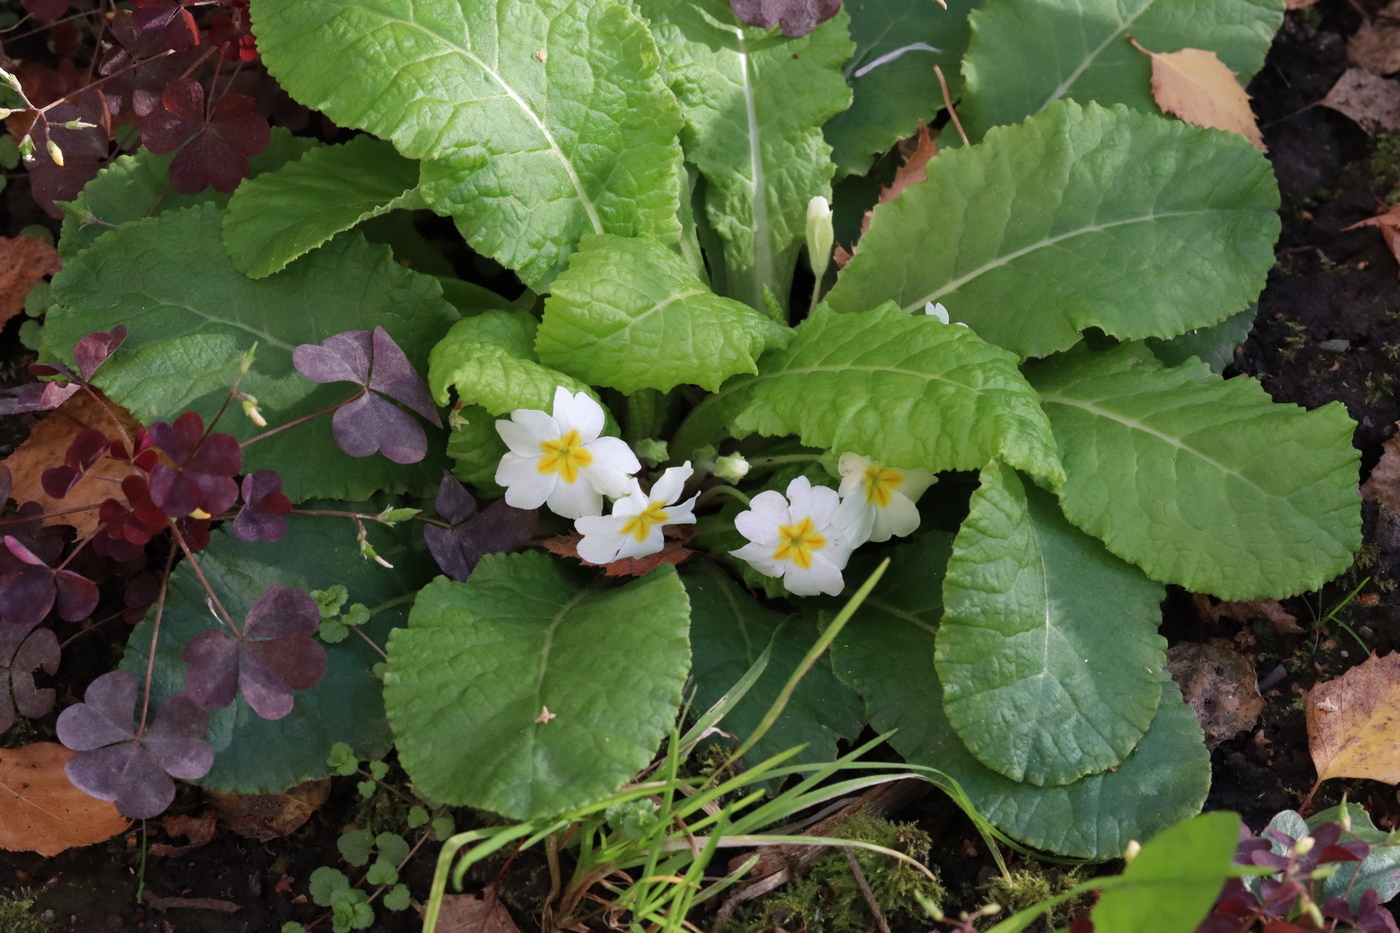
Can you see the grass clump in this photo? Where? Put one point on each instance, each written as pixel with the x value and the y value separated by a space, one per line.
pixel 1029 886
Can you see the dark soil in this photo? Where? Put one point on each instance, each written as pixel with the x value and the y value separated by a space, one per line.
pixel 1328 328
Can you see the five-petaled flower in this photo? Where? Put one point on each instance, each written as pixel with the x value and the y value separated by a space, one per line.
pixel 559 460
pixel 886 494
pixel 804 537
pixel 634 529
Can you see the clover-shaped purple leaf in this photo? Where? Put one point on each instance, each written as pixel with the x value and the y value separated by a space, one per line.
pixel 796 17
pixel 114 763
pixel 265 507
pixel 275 656
pixel 498 529
pixel 92 351
pixel 35 396
pixel 21 654
pixel 29 588
pixel 369 423
pixel 204 468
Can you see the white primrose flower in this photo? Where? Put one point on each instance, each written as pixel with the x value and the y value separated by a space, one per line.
pixel 804 537
pixel 939 312
pixel 634 527
pixel 560 461
pixel 887 495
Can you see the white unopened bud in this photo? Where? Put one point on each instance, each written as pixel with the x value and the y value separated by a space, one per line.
pixel 79 125
pixel 250 408
pixel 819 235
pixel 1304 846
pixel 26 148
pixel 1131 852
pixel 55 153
pixel 731 469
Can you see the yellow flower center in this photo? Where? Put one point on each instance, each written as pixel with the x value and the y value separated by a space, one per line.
pixel 566 456
pixel 639 526
pixel 798 542
pixel 880 483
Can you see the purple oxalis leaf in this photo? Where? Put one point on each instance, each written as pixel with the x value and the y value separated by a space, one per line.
pixel 275 656
pixel 92 351
pixel 453 501
pixel 29 588
pixel 394 376
pixel 371 424
pixel 113 764
pixel 265 507
pixel 497 529
pixel 21 654
pixel 35 396
pixel 205 467
pixel 796 17
pixel 338 358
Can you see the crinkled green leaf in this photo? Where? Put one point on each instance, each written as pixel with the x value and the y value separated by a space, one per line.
pixel 538 120
pixel 1048 652
pixel 1080 217
pixel 1214 345
pixel 729 629
pixel 523 692
pixel 138 185
pixel 188 332
pixel 754 104
pixel 630 314
pixel 1174 881
pixel 905 390
pixel 1080 50
pixel 273 219
pixel 886 653
pixel 259 756
pixel 1202 481
pixel 891 74
pixel 476 449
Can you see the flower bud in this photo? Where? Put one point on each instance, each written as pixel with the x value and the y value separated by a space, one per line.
pixel 651 451
pixel 55 153
pixel 79 125
pixel 1131 852
pixel 26 148
pixel 731 469
pixel 245 362
pixel 250 408
pixel 1304 846
pixel 819 235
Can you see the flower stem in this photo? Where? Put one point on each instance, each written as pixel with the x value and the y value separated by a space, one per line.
pixel 721 490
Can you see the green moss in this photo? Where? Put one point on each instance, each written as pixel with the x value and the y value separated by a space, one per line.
pixel 1385 167
pixel 1296 340
pixel 1379 387
pixel 1033 884
pixel 827 899
pixel 19 915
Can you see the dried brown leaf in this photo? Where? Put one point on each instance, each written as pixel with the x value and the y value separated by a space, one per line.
pixel 199 830
pixel 45 447
pixel 40 811
pixel 1195 85
pixel 1383 484
pixel 24 262
pixel 1220 686
pixel 1376 45
pixel 673 552
pixel 466 913
pixel 917 153
pixel 1354 722
pixel 1389 225
pixel 1372 103
pixel 1283 621
pixel 270 816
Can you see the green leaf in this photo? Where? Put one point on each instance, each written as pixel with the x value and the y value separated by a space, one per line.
pixel 138 185
pixel 279 216
pixel 1214 345
pixel 325 883
pixel 892 78
pixel 476 449
pixel 729 629
pixel 381 872
pixel 1202 481
pixel 754 104
pixel 1049 654
pixel 1174 881
pixel 417 817
pixel 355 846
pixel 1081 51
pixel 189 331
pixel 443 828
pixel 489 360
pixel 342 760
pixel 469 682
pixel 630 314
pixel 886 653
pixel 538 120
pixel 392 847
pixel 378 770
pixel 1080 217
pixel 397 898
pixel 904 390
pixel 254 755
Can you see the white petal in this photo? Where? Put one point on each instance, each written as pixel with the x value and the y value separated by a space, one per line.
pixel 613 465
pixel 766 512
pixel 899 518
pixel 652 544
pixel 852 465
pixel 816 502
pixel 528 428
pixel 822 577
pixel 936 310
pixel 526 486
pixel 575 500
pixel 916 483
pixel 854 520
pixel 682 513
pixel 602 538
pixel 578 412
pixel 672 483
pixel 760 557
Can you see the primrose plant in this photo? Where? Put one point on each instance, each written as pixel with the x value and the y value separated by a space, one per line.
pixel 1007 381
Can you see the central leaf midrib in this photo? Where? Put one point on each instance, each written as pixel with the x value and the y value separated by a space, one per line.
pixel 1089 59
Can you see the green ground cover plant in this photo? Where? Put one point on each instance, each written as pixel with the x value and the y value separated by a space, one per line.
pixel 1009 389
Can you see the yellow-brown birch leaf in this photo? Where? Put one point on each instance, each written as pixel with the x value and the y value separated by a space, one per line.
pixel 1197 86
pixel 1354 722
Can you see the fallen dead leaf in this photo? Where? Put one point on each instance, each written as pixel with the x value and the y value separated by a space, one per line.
pixel 199 830
pixel 188 903
pixel 673 552
pixel 45 447
pixel 24 262
pixel 1383 484
pixel 1195 85
pixel 466 913
pixel 917 153
pixel 1354 722
pixel 270 816
pixel 40 811
pixel 1220 686
pixel 1389 225
pixel 1372 102
pixel 1376 45
pixel 1283 621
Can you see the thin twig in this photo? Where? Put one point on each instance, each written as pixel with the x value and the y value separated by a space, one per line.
pixel 208 588
pixel 866 893
pixel 948 102
pixel 151 654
